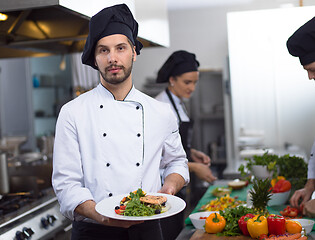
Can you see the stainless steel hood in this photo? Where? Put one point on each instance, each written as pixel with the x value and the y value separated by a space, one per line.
pixel 45 27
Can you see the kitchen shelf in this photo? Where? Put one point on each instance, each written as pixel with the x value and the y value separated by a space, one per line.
pixel 208 114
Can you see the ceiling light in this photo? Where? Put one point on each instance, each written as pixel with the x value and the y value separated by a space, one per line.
pixel 3 17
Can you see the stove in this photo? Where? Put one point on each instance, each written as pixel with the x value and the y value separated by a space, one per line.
pixel 25 216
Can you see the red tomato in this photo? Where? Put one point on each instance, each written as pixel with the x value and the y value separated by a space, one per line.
pixel 119 211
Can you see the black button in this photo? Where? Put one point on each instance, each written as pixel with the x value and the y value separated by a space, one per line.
pixel 107 164
pixel 138 164
pixel 137 107
pixel 101 106
pixel 110 194
pixel 104 134
pixel 138 134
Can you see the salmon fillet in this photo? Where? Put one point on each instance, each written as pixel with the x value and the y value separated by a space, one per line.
pixel 157 200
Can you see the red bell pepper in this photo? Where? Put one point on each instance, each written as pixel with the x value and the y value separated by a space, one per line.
pixel 276 224
pixel 281 186
pixel 242 223
pixel 290 212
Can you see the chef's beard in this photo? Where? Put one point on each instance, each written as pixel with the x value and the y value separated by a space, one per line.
pixel 114 78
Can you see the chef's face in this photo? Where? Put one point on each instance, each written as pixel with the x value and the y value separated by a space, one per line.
pixel 310 68
pixel 114 57
pixel 184 85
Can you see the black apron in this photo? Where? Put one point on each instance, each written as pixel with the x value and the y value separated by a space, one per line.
pixel 185 128
pixel 172 226
pixel 91 231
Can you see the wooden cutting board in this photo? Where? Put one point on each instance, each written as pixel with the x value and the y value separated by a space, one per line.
pixel 202 235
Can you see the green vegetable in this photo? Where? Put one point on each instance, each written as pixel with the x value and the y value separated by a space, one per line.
pixel 293 168
pixel 232 215
pixel 136 208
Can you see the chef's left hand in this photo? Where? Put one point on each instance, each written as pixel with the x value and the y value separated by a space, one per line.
pixel 198 156
pixel 172 184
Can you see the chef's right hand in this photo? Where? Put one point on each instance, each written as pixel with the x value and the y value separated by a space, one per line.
pixel 202 171
pixel 118 223
pixel 304 194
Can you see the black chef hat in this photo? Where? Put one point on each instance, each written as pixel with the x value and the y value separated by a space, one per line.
pixel 117 19
pixel 178 63
pixel 302 43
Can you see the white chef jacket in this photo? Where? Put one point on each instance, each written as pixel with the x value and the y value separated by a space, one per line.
pixel 311 164
pixel 104 147
pixel 162 96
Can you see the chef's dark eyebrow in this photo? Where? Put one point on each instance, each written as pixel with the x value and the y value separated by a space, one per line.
pixel 118 45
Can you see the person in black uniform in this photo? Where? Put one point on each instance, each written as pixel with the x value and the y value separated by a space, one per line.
pixel 180 71
pixel 302 44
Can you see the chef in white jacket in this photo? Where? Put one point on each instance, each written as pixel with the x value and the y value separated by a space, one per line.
pixel 302 44
pixel 109 141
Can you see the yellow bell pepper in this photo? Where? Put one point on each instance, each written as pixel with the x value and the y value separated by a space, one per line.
pixel 215 223
pixel 257 226
pixel 275 180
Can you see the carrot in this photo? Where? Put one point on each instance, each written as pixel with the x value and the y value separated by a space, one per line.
pixel 286 237
pixel 302 238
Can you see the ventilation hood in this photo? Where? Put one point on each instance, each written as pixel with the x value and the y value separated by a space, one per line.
pixel 37 28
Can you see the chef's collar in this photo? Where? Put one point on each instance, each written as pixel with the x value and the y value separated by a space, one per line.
pixel 302 43
pixel 178 63
pixel 105 92
pixel 117 19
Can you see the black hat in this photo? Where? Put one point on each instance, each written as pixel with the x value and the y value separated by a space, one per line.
pixel 178 63
pixel 302 43
pixel 117 19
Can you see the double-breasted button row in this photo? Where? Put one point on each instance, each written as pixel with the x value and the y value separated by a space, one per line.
pixel 105 134
pixel 137 107
pixel 137 164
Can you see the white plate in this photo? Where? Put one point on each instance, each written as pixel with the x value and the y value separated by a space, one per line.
pixel 107 206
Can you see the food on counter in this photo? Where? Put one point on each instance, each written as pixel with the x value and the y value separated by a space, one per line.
pixel 285 236
pixel 281 185
pixel 237 184
pixel 242 223
pixel 221 191
pixel 137 203
pixel 307 224
pixel 290 212
pixel 293 168
pixel 257 226
pixel 292 226
pixel 275 180
pixel 232 215
pixel 276 224
pixel 221 203
pixel 260 195
pixel 215 223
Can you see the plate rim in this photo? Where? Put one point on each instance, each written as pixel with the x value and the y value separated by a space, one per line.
pixel 142 218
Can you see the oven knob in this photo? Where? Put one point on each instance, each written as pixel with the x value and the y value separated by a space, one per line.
pixel 44 222
pixel 20 235
pixel 51 219
pixel 28 232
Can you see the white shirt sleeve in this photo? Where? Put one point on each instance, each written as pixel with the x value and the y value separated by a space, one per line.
pixel 67 178
pixel 174 158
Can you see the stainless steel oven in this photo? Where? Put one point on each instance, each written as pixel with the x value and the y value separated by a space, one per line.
pixel 22 217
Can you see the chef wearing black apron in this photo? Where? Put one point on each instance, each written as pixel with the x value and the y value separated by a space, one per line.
pixel 302 45
pixel 181 64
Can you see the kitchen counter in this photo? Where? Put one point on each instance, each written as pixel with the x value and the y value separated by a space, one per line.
pixel 189 232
